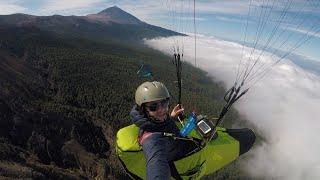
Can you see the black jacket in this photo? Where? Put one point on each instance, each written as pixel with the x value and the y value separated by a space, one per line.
pixel 146 124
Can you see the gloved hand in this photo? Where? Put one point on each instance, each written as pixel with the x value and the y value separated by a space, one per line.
pixel 177 111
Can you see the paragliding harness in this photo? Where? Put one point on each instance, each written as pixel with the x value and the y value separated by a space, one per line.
pixel 195 143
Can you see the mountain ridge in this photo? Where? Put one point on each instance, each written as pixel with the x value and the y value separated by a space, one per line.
pixel 110 23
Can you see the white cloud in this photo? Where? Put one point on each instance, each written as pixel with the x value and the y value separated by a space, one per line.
pixel 187 18
pixel 303 31
pixel 10 8
pixel 147 7
pixel 75 7
pixel 283 107
pixel 149 11
pixel 143 10
pixel 223 7
pixel 227 19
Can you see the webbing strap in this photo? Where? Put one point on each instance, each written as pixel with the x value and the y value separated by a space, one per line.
pixel 174 171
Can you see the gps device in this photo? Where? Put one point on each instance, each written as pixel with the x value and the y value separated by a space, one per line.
pixel 204 127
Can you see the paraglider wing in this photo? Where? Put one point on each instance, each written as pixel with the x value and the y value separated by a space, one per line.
pixel 145 71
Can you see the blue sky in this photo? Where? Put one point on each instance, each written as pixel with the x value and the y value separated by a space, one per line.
pixel 225 19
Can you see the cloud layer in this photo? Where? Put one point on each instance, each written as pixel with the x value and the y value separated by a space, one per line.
pixel 10 8
pixel 74 7
pixel 283 106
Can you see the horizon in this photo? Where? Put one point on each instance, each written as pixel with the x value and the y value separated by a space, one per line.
pixel 223 19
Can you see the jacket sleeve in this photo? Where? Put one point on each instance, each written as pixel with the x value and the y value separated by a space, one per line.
pixel 141 120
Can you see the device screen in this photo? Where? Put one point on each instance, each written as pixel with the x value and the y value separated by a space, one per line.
pixel 204 127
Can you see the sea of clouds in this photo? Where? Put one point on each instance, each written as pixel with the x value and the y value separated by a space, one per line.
pixel 283 106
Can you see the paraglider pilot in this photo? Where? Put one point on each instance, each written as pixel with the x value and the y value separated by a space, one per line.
pixel 151 115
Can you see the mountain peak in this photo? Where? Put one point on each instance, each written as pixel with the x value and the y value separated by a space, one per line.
pixel 110 9
pixel 117 15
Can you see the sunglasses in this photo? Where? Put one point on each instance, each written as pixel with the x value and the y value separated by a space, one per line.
pixel 155 106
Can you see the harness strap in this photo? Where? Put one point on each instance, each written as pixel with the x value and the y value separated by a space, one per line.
pixel 144 136
pixel 174 172
pixel 173 169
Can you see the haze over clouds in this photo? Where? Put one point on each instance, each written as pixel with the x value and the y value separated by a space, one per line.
pixel 283 106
